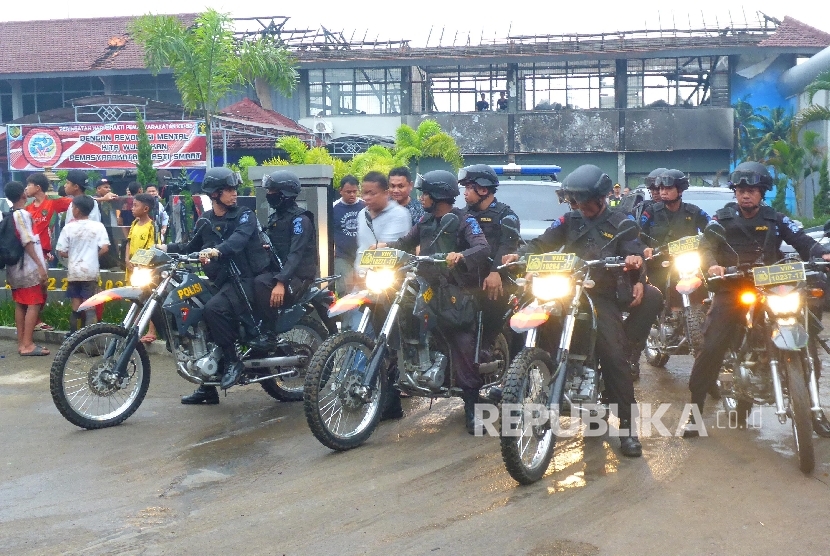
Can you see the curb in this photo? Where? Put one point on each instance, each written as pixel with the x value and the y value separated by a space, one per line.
pixel 56 337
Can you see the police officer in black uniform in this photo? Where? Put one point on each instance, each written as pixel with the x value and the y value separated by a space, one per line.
pixel 588 232
pixel 480 183
pixel 755 232
pixel 467 258
pixel 294 239
pixel 225 235
pixel 653 190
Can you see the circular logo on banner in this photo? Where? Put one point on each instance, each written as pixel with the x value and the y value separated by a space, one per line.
pixel 42 147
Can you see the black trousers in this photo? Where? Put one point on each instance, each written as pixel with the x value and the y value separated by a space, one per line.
pixel 263 285
pixel 609 348
pixel 223 312
pixel 640 318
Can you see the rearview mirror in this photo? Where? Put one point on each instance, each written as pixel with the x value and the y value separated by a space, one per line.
pixel 510 227
pixel 827 229
pixel 448 223
pixel 715 232
pixel 628 230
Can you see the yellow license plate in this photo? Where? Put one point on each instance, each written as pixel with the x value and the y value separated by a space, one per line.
pixel 779 274
pixel 684 245
pixel 551 262
pixel 380 258
pixel 142 257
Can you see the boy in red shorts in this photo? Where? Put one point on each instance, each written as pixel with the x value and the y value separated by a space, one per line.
pixel 26 277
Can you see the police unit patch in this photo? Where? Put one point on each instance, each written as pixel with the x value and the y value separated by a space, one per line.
pixel 245 217
pixel 790 224
pixel 486 219
pixel 474 227
pixel 607 235
pixel 558 222
pixel 298 226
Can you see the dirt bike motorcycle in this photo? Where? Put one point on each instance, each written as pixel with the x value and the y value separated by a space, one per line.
pixel 565 383
pixel 102 372
pixel 772 363
pixel 347 379
pixel 678 332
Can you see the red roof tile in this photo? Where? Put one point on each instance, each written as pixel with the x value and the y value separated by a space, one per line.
pixel 64 45
pixel 246 109
pixel 792 32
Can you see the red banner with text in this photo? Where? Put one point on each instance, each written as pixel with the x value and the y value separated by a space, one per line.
pixel 175 144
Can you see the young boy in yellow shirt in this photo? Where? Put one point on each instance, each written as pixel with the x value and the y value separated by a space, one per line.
pixel 142 236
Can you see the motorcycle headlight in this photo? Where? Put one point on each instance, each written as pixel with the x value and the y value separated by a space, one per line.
pixel 379 280
pixel 141 277
pixel 552 286
pixel 784 304
pixel 687 263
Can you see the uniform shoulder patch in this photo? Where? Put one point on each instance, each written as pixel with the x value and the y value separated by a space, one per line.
pixel 558 222
pixel 474 227
pixel 790 224
pixel 246 216
pixel 298 225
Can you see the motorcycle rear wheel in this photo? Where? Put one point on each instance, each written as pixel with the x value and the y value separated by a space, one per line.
pixel 527 450
pixel 800 410
pixel 83 388
pixel 337 417
pixel 310 334
pixel 500 351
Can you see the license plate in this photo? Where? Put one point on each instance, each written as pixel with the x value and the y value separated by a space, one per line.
pixel 142 257
pixel 551 262
pixel 380 258
pixel 779 274
pixel 684 245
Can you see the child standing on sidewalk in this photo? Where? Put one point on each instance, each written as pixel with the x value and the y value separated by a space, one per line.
pixel 142 236
pixel 82 241
pixel 27 277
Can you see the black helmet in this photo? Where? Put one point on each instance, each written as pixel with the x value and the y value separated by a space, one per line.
pixel 652 176
pixel 479 174
pixel 217 179
pixel 752 174
pixel 283 181
pixel 673 178
pixel 438 184
pixel 587 182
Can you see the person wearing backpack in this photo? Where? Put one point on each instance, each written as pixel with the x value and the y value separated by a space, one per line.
pixel 22 256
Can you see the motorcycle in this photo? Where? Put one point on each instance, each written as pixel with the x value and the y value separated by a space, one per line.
pixel 678 332
pixel 347 379
pixel 565 383
pixel 772 363
pixel 102 372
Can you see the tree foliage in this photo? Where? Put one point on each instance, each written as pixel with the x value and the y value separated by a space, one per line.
pixel 208 61
pixel 821 206
pixel 146 174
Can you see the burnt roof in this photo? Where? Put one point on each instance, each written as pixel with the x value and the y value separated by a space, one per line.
pixel 792 32
pixel 72 45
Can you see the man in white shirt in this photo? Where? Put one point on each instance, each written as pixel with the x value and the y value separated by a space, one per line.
pixel 390 221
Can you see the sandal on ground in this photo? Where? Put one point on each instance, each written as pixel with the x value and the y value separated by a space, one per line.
pixel 39 350
pixel 148 339
pixel 43 326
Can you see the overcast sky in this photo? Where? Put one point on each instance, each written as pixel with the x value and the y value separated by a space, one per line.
pixel 490 19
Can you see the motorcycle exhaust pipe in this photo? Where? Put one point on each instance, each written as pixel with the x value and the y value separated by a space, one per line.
pixel 270 362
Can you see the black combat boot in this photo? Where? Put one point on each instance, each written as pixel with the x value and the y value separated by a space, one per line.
pixel 470 399
pixel 630 444
pixel 202 395
pixel 233 368
pixel 392 408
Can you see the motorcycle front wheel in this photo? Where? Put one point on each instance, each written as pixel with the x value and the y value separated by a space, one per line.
pixel 695 317
pixel 527 448
pixel 338 413
pixel 85 388
pixel 654 353
pixel 306 336
pixel 792 364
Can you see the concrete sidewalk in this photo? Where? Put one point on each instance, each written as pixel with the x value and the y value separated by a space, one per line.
pixel 56 337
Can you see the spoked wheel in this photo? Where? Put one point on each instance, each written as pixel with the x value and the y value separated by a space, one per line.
pixel 306 336
pixel 500 351
pixel 800 411
pixel 654 353
pixel 340 411
pixel 84 386
pixel 527 448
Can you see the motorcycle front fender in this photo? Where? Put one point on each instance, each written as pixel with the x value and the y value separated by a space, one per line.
pixel 532 316
pixel 128 293
pixel 349 302
pixel 687 286
pixel 789 337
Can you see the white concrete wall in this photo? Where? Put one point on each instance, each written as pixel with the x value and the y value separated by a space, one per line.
pixel 358 125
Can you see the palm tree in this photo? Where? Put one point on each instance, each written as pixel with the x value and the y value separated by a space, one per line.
pixel 776 126
pixel 814 112
pixel 208 61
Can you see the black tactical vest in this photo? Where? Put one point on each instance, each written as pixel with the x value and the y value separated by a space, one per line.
pixel 253 260
pixel 489 220
pixel 280 231
pixel 670 226
pixel 753 239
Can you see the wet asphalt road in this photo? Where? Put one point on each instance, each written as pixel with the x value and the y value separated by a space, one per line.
pixel 247 477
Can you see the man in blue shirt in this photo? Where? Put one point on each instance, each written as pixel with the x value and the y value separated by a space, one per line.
pixel 345 211
pixel 400 189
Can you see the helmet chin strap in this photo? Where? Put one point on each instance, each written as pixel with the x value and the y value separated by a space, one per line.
pixel 477 204
pixel 218 201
